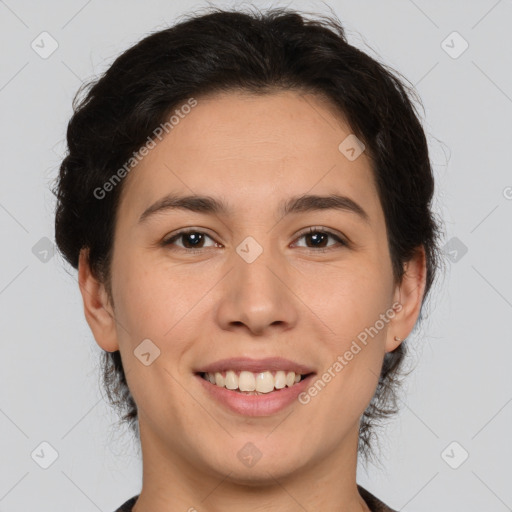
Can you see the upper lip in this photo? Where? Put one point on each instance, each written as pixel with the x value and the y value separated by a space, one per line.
pixel 256 365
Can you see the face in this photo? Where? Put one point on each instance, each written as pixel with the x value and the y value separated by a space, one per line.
pixel 254 282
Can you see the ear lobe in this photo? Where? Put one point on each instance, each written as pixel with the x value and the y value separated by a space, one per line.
pixel 97 308
pixel 409 294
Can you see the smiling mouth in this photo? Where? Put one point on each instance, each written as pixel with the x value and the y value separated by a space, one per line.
pixel 253 383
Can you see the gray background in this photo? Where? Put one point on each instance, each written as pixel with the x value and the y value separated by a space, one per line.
pixel 461 387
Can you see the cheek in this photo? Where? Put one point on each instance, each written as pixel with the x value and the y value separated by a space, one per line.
pixel 357 314
pixel 349 297
pixel 152 298
pixel 151 305
pixel 353 354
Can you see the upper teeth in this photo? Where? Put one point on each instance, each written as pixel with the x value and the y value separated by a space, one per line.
pixel 264 382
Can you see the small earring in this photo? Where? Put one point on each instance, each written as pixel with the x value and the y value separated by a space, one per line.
pixel 398 339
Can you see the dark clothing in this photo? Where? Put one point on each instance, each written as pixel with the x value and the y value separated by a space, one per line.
pixel 374 504
pixel 127 506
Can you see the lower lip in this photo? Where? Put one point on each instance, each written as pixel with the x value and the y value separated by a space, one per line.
pixel 265 404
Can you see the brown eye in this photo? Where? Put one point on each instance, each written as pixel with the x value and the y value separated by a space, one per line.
pixel 190 239
pixel 317 238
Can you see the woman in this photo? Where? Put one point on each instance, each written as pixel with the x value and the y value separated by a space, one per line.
pixel 247 199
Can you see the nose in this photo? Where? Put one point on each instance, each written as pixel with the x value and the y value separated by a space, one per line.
pixel 257 296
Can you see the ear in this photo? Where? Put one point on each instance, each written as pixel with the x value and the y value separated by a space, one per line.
pixel 409 294
pixel 97 308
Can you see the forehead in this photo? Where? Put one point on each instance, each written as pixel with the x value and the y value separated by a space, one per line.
pixel 251 149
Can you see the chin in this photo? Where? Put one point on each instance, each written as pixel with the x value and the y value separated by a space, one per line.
pixel 253 466
pixel 261 475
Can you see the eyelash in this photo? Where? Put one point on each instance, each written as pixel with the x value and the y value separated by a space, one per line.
pixel 343 243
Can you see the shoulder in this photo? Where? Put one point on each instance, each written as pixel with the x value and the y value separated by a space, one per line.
pixel 374 504
pixel 127 505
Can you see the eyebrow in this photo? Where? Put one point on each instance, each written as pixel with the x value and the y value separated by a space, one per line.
pixel 297 204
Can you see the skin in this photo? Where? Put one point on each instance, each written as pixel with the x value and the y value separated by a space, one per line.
pixel 291 301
